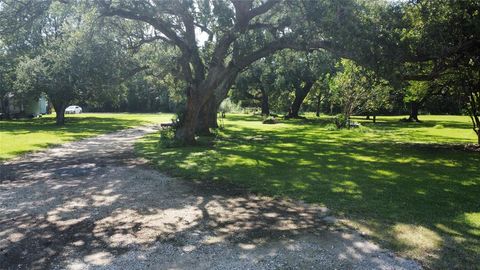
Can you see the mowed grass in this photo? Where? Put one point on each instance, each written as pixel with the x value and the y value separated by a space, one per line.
pixel 22 136
pixel 406 185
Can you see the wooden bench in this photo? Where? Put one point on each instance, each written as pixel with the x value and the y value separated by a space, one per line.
pixel 166 124
pixel 172 124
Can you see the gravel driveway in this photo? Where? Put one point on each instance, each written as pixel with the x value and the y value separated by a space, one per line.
pixel 92 204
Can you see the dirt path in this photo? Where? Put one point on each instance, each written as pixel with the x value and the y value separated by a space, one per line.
pixel 92 204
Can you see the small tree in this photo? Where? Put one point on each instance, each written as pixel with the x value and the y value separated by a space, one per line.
pixel 358 89
pixel 349 88
pixel 474 112
pixel 379 98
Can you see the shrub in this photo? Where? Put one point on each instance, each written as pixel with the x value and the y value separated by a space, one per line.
pixel 340 121
pixel 167 138
pixel 228 106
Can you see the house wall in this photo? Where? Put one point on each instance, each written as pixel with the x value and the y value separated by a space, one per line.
pixel 16 107
pixel 36 106
pixel 43 103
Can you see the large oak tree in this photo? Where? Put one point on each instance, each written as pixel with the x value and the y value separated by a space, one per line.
pixel 235 34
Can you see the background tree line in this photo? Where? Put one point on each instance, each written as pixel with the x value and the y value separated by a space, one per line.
pixel 347 57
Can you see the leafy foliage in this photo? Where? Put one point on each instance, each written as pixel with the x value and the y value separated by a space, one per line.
pixel 229 106
pixel 78 61
pixel 357 89
pixel 406 196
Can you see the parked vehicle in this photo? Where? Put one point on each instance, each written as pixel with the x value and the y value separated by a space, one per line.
pixel 74 109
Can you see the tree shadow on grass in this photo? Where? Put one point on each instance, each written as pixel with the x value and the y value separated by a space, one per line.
pixel 86 204
pixel 394 123
pixel 420 201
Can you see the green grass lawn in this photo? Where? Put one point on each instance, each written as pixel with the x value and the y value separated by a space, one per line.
pixel 21 136
pixel 404 184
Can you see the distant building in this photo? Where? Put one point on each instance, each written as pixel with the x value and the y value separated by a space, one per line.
pixel 12 107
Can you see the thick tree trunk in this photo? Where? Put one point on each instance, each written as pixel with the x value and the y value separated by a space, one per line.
pixel 295 107
pixel 374 118
pixel 207 117
pixel 414 106
pixel 196 99
pixel 221 92
pixel 212 118
pixel 60 113
pixel 300 95
pixel 185 133
pixel 265 105
pixel 216 84
pixel 209 113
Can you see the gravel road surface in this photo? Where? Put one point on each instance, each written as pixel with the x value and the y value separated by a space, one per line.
pixel 92 204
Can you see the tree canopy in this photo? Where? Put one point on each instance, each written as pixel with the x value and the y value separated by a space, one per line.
pixel 190 55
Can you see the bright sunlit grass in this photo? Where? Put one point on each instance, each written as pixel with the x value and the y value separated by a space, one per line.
pixel 410 186
pixel 21 136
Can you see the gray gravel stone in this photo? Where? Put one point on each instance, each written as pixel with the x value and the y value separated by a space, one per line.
pixel 92 204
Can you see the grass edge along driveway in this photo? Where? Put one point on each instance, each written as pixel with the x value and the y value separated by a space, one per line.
pixel 18 137
pixel 400 183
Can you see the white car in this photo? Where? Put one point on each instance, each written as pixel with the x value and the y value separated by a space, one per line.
pixel 73 109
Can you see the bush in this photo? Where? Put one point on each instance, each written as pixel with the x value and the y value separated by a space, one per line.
pixel 228 106
pixel 167 138
pixel 341 121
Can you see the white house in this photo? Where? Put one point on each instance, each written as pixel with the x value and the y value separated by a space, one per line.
pixel 29 107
